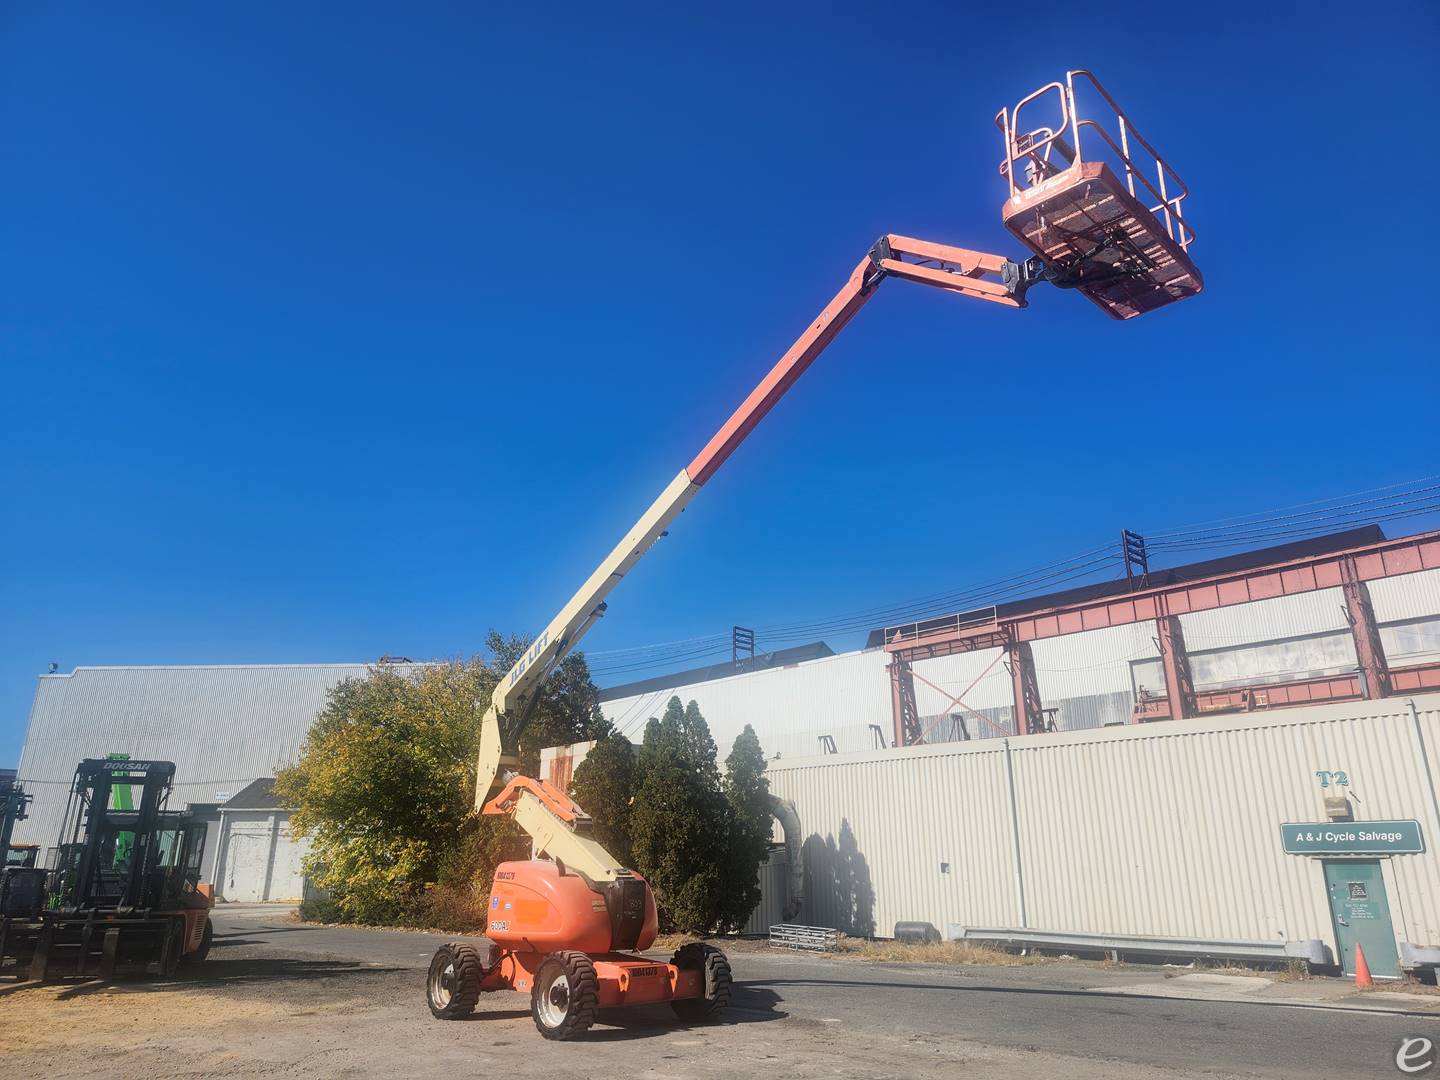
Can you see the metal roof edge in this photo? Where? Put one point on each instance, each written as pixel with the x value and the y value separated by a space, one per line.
pixel 227 667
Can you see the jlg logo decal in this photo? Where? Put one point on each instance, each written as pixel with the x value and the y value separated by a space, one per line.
pixel 529 658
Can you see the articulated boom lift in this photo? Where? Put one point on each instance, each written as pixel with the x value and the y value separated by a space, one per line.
pixel 562 925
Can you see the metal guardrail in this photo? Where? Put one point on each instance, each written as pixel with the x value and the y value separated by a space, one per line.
pixel 806 938
pixel 1313 951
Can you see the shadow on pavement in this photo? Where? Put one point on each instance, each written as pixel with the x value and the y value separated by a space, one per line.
pixel 266 970
pixel 1054 991
pixel 748 1005
pixel 260 930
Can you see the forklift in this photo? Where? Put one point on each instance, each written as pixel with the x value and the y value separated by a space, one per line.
pixel 125 895
pixel 13 804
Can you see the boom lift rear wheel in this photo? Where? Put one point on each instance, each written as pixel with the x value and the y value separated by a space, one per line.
pixel 716 968
pixel 566 995
pixel 453 985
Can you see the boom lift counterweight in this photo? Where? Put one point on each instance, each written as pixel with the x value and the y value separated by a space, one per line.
pixel 571 915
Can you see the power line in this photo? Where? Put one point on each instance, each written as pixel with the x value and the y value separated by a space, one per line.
pixel 1423 499
pixel 1293 506
pixel 1390 502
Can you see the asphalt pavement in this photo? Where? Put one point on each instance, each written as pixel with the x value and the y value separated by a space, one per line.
pixel 1139 1021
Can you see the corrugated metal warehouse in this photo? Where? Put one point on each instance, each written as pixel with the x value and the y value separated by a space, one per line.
pixel 224 727
pixel 997 770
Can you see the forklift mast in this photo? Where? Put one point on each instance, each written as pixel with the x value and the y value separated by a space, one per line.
pixel 13 803
pixel 90 823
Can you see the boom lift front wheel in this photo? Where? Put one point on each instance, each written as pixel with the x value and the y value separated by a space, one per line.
pixel 566 995
pixel 453 985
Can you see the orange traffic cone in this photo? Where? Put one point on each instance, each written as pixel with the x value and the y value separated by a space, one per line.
pixel 1362 969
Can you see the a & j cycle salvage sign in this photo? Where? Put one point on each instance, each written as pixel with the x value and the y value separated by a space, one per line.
pixel 1352 838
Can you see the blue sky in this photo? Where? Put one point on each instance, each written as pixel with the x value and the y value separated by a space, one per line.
pixel 338 332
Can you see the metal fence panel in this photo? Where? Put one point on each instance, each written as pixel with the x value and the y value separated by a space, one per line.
pixel 1169 829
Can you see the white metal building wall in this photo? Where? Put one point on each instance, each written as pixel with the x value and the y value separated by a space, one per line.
pixel 1318 612
pixel 222 726
pixel 1087 675
pixel 904 834
pixel 1169 829
pixel 1413 601
pixel 257 858
pixel 789 707
pixel 1406 596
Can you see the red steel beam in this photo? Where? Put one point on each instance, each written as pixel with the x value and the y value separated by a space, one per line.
pixel 1387 558
pixel 1419 679
pixel 1369 653
pixel 902 703
pixel 1179 689
pixel 1025 684
pixel 1415 679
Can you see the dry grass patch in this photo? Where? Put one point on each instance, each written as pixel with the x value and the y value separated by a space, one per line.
pixel 937 952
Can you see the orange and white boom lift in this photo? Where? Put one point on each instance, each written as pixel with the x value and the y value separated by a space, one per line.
pixel 1101 213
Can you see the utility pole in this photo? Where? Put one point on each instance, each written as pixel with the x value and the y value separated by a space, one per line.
pixel 1137 560
pixel 741 640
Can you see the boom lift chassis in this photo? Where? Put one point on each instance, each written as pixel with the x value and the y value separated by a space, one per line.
pixel 564 924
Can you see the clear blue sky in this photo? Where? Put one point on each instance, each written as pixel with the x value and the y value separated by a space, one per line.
pixel 332 333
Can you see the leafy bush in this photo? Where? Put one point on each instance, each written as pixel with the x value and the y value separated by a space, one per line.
pixel 386 777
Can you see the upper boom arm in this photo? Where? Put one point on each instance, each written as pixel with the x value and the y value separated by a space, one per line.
pixel 969 273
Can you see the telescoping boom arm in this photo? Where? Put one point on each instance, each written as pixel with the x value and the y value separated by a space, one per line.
pixel 549 816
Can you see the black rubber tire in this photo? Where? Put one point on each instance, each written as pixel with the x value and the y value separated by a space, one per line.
pixel 467 968
pixel 173 949
pixel 697 956
pixel 207 938
pixel 582 996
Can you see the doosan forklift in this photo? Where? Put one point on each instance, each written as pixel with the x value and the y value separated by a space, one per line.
pixel 125 896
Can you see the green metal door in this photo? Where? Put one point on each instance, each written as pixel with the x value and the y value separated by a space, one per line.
pixel 1361 914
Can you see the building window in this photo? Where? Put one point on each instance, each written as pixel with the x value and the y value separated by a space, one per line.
pixel 1413 642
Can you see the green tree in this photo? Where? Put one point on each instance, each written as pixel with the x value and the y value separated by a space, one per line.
pixel 385 781
pixel 748 794
pixel 696 838
pixel 678 821
pixel 604 784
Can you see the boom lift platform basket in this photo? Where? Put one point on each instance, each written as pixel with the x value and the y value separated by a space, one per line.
pixel 1119 237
